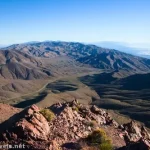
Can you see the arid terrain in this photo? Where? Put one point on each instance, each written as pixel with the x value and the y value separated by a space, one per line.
pixel 49 72
pixel 46 73
pixel 72 125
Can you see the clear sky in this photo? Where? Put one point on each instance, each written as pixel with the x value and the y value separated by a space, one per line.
pixel 75 20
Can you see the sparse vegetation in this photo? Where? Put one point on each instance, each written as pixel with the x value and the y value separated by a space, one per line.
pixel 99 139
pixel 75 108
pixel 49 115
pixel 105 146
pixel 93 123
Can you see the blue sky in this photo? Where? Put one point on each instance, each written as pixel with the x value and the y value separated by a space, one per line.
pixel 75 20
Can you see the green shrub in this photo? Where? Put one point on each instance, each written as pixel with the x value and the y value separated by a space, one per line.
pixel 49 115
pixel 75 108
pixel 99 138
pixel 105 146
pixel 93 123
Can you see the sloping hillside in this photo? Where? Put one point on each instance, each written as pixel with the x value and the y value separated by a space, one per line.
pixel 129 96
pixel 18 65
pixel 135 82
pixel 21 73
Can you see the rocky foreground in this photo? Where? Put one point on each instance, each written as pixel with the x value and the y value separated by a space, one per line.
pixel 69 129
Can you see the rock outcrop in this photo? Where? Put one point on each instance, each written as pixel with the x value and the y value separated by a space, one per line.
pixel 72 124
pixel 32 127
pixel 136 136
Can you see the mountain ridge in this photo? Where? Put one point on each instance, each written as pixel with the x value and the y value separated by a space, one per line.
pixel 92 55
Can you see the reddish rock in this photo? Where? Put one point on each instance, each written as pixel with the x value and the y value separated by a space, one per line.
pixel 72 126
pixel 32 126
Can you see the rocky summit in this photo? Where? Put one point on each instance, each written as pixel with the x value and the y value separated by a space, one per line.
pixel 70 126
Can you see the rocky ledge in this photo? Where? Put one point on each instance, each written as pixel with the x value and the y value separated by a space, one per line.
pixel 72 124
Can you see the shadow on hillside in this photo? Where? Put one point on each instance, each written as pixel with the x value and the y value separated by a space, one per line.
pixel 29 102
pixel 136 82
pixel 129 96
pixel 61 86
pixel 8 123
pixel 103 78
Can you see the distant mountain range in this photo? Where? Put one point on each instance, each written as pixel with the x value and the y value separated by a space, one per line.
pixel 97 57
pixel 137 49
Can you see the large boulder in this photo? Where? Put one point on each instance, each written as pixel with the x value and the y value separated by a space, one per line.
pixel 33 126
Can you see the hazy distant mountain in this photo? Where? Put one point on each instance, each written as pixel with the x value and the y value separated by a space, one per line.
pixel 1 46
pixel 116 45
pixel 141 45
pixel 31 42
pixel 95 56
pixel 135 49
